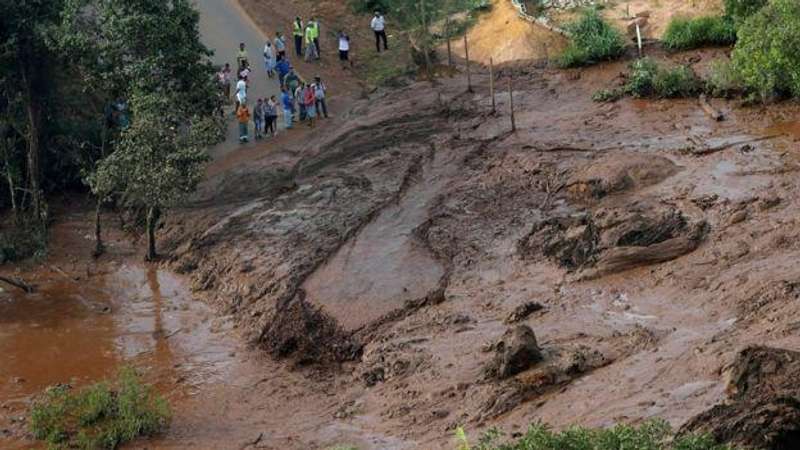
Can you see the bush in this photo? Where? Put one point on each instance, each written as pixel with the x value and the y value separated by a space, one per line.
pixel 767 56
pixel 676 82
pixel 369 6
pixel 723 80
pixel 652 435
pixel 591 40
pixel 98 417
pixel 740 10
pixel 640 81
pixel 685 33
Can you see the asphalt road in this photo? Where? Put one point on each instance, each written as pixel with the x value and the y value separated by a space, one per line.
pixel 223 25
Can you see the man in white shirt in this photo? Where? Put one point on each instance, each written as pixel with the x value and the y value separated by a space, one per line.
pixel 241 93
pixel 379 27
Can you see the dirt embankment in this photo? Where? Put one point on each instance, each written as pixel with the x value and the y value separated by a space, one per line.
pixel 395 247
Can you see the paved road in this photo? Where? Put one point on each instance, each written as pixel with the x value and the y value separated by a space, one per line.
pixel 223 25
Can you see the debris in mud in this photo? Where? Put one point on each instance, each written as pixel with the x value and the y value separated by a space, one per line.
pixel 514 353
pixel 763 407
pixel 560 368
pixel 614 174
pixel 522 312
pixel 613 240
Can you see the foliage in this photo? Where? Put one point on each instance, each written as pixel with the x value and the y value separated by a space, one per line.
pixel 723 80
pixel 767 55
pixel 686 33
pixel 651 435
pixel 740 10
pixel 591 40
pixel 24 239
pixel 99 416
pixel 608 95
pixel 640 81
pixel 676 82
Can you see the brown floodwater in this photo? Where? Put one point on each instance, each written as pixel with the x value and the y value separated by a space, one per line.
pixel 80 331
pixel 785 129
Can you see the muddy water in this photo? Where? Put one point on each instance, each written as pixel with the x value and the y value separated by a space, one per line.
pixel 78 331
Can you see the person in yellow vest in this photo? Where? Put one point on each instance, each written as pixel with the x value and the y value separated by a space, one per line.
pixel 298 31
pixel 241 57
pixel 315 25
pixel 311 47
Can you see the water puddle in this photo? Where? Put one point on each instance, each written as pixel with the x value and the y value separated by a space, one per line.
pixel 77 332
pixel 791 129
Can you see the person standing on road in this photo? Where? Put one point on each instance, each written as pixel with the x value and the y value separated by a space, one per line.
pixel 315 26
pixel 311 48
pixel 344 48
pixel 271 116
pixel 283 68
pixel 243 114
pixel 292 81
pixel 310 104
pixel 298 31
pixel 241 94
pixel 301 104
pixel 288 107
pixel 379 27
pixel 258 118
pixel 241 57
pixel 225 81
pixel 319 96
pixel 269 59
pixel 280 46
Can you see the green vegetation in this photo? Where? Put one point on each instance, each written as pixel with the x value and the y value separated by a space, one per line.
pixel 99 416
pixel 67 70
pixel 592 40
pixel 685 33
pixel 767 55
pixel 723 80
pixel 647 80
pixel 652 435
pixel 740 10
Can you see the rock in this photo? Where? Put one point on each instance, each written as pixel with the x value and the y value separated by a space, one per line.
pixel 737 217
pixel 769 202
pixel 515 353
pixel 522 312
pixel 374 376
pixel 763 405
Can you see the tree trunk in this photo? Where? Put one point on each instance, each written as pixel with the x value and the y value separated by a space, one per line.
pixel 98 241
pixel 33 116
pixel 447 36
pixel 153 214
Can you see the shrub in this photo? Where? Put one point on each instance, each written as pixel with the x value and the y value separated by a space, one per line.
pixel 640 81
pixel 676 82
pixel 608 95
pixel 652 435
pixel 591 40
pixel 98 416
pixel 686 33
pixel 767 55
pixel 740 10
pixel 723 80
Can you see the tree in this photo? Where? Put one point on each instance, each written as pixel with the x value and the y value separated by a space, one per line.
pixel 24 56
pixel 158 161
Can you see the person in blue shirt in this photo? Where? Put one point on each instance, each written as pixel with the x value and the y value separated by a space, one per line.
pixel 283 67
pixel 288 107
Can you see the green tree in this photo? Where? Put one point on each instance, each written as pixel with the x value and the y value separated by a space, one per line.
pixel 158 161
pixel 25 55
pixel 767 53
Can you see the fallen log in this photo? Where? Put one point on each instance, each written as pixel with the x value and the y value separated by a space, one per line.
pixel 17 283
pixel 712 112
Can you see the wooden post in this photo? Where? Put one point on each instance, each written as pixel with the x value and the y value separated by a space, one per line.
pixel 447 36
pixel 466 54
pixel 491 84
pixel 511 103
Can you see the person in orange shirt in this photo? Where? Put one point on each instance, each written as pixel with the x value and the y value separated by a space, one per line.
pixel 243 114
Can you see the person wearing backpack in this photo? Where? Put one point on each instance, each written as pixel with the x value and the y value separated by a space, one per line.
pixel 319 96
pixel 298 31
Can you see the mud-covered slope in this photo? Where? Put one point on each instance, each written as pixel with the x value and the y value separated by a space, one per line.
pixel 404 240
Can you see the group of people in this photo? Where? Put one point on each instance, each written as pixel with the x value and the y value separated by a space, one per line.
pixel 299 100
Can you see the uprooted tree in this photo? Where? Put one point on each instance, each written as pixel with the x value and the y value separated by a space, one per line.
pixel 158 161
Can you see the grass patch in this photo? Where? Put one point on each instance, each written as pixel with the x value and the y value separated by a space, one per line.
pixel 592 40
pixel 687 33
pixel 652 435
pixel 25 239
pixel 740 10
pixel 100 416
pixel 647 80
pixel 723 80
